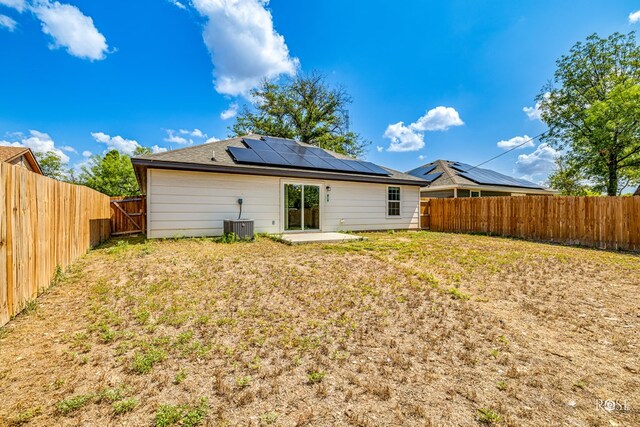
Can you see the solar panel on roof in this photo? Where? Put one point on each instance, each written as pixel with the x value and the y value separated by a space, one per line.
pixel 281 152
pixel 317 162
pixel 489 177
pixel 271 157
pixel 340 165
pixel 422 170
pixel 358 166
pixel 375 168
pixel 282 141
pixel 256 144
pixel 244 156
pixel 432 176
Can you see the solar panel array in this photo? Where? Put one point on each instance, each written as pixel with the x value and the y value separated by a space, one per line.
pixel 432 176
pixel 284 152
pixel 422 170
pixel 489 177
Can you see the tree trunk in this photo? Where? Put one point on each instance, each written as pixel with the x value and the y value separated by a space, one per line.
pixel 612 184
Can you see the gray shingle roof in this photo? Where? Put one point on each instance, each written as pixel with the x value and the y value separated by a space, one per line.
pixel 199 157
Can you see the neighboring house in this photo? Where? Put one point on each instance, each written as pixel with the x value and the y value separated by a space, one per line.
pixel 449 179
pixel 20 156
pixel 285 186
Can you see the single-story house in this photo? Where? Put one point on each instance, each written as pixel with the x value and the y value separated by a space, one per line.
pixel 21 156
pixel 449 179
pixel 283 185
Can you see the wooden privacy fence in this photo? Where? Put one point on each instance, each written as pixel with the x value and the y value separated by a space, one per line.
pixel 44 224
pixel 128 215
pixel 603 222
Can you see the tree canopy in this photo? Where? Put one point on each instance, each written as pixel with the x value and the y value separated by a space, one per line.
pixel 305 108
pixel 112 174
pixel 51 165
pixel 592 108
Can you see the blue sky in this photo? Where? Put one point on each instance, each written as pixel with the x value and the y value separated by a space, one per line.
pixel 81 76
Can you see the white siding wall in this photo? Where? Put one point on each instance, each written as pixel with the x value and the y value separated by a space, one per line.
pixel 195 203
pixel 363 206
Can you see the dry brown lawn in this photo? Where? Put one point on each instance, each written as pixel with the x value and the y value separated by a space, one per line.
pixel 402 329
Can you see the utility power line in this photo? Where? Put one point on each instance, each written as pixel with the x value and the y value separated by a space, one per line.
pixel 509 150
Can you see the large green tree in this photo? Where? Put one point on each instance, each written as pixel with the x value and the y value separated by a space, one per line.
pixel 51 165
pixel 305 108
pixel 592 108
pixel 112 174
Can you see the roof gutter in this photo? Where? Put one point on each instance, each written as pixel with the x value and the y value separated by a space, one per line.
pixel 160 164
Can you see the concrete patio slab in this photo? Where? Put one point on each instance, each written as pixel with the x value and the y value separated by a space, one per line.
pixel 302 238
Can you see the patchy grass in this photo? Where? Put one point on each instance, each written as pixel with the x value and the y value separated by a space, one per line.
pixel 412 329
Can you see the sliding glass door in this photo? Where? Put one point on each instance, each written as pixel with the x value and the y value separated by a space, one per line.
pixel 301 207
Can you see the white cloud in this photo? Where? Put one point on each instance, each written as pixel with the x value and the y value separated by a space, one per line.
pixel 18 5
pixel 411 138
pixel 38 142
pixel 7 23
pixel 178 4
pixel 541 161
pixel 173 136
pixel 244 46
pixel 68 148
pixel 421 157
pixel 523 141
pixel 533 113
pixel 125 146
pixel 634 17
pixel 439 118
pixel 87 153
pixel 212 139
pixel 158 149
pixel 380 148
pixel 195 133
pixel 230 112
pixel 177 139
pixel 403 138
pixel 71 29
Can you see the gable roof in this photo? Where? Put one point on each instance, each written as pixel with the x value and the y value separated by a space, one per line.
pixel 452 174
pixel 10 153
pixel 200 158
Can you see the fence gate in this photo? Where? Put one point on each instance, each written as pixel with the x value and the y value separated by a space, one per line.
pixel 425 214
pixel 128 215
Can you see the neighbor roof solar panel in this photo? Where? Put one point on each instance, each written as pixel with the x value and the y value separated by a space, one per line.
pixel 431 176
pixel 489 177
pixel 282 152
pixel 421 171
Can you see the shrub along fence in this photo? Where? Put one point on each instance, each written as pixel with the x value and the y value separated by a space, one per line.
pixel 44 225
pixel 603 222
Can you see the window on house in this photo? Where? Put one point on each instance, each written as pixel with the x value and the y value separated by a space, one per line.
pixel 393 201
pixel 475 194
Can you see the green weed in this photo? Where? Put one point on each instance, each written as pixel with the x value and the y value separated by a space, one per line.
pixel 183 415
pixel 124 406
pixel 487 416
pixel 143 362
pixel 74 403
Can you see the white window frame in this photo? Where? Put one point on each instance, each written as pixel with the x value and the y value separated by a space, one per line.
pixel 475 191
pixel 389 201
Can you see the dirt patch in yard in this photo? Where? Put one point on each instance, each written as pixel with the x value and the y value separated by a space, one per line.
pixel 400 329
